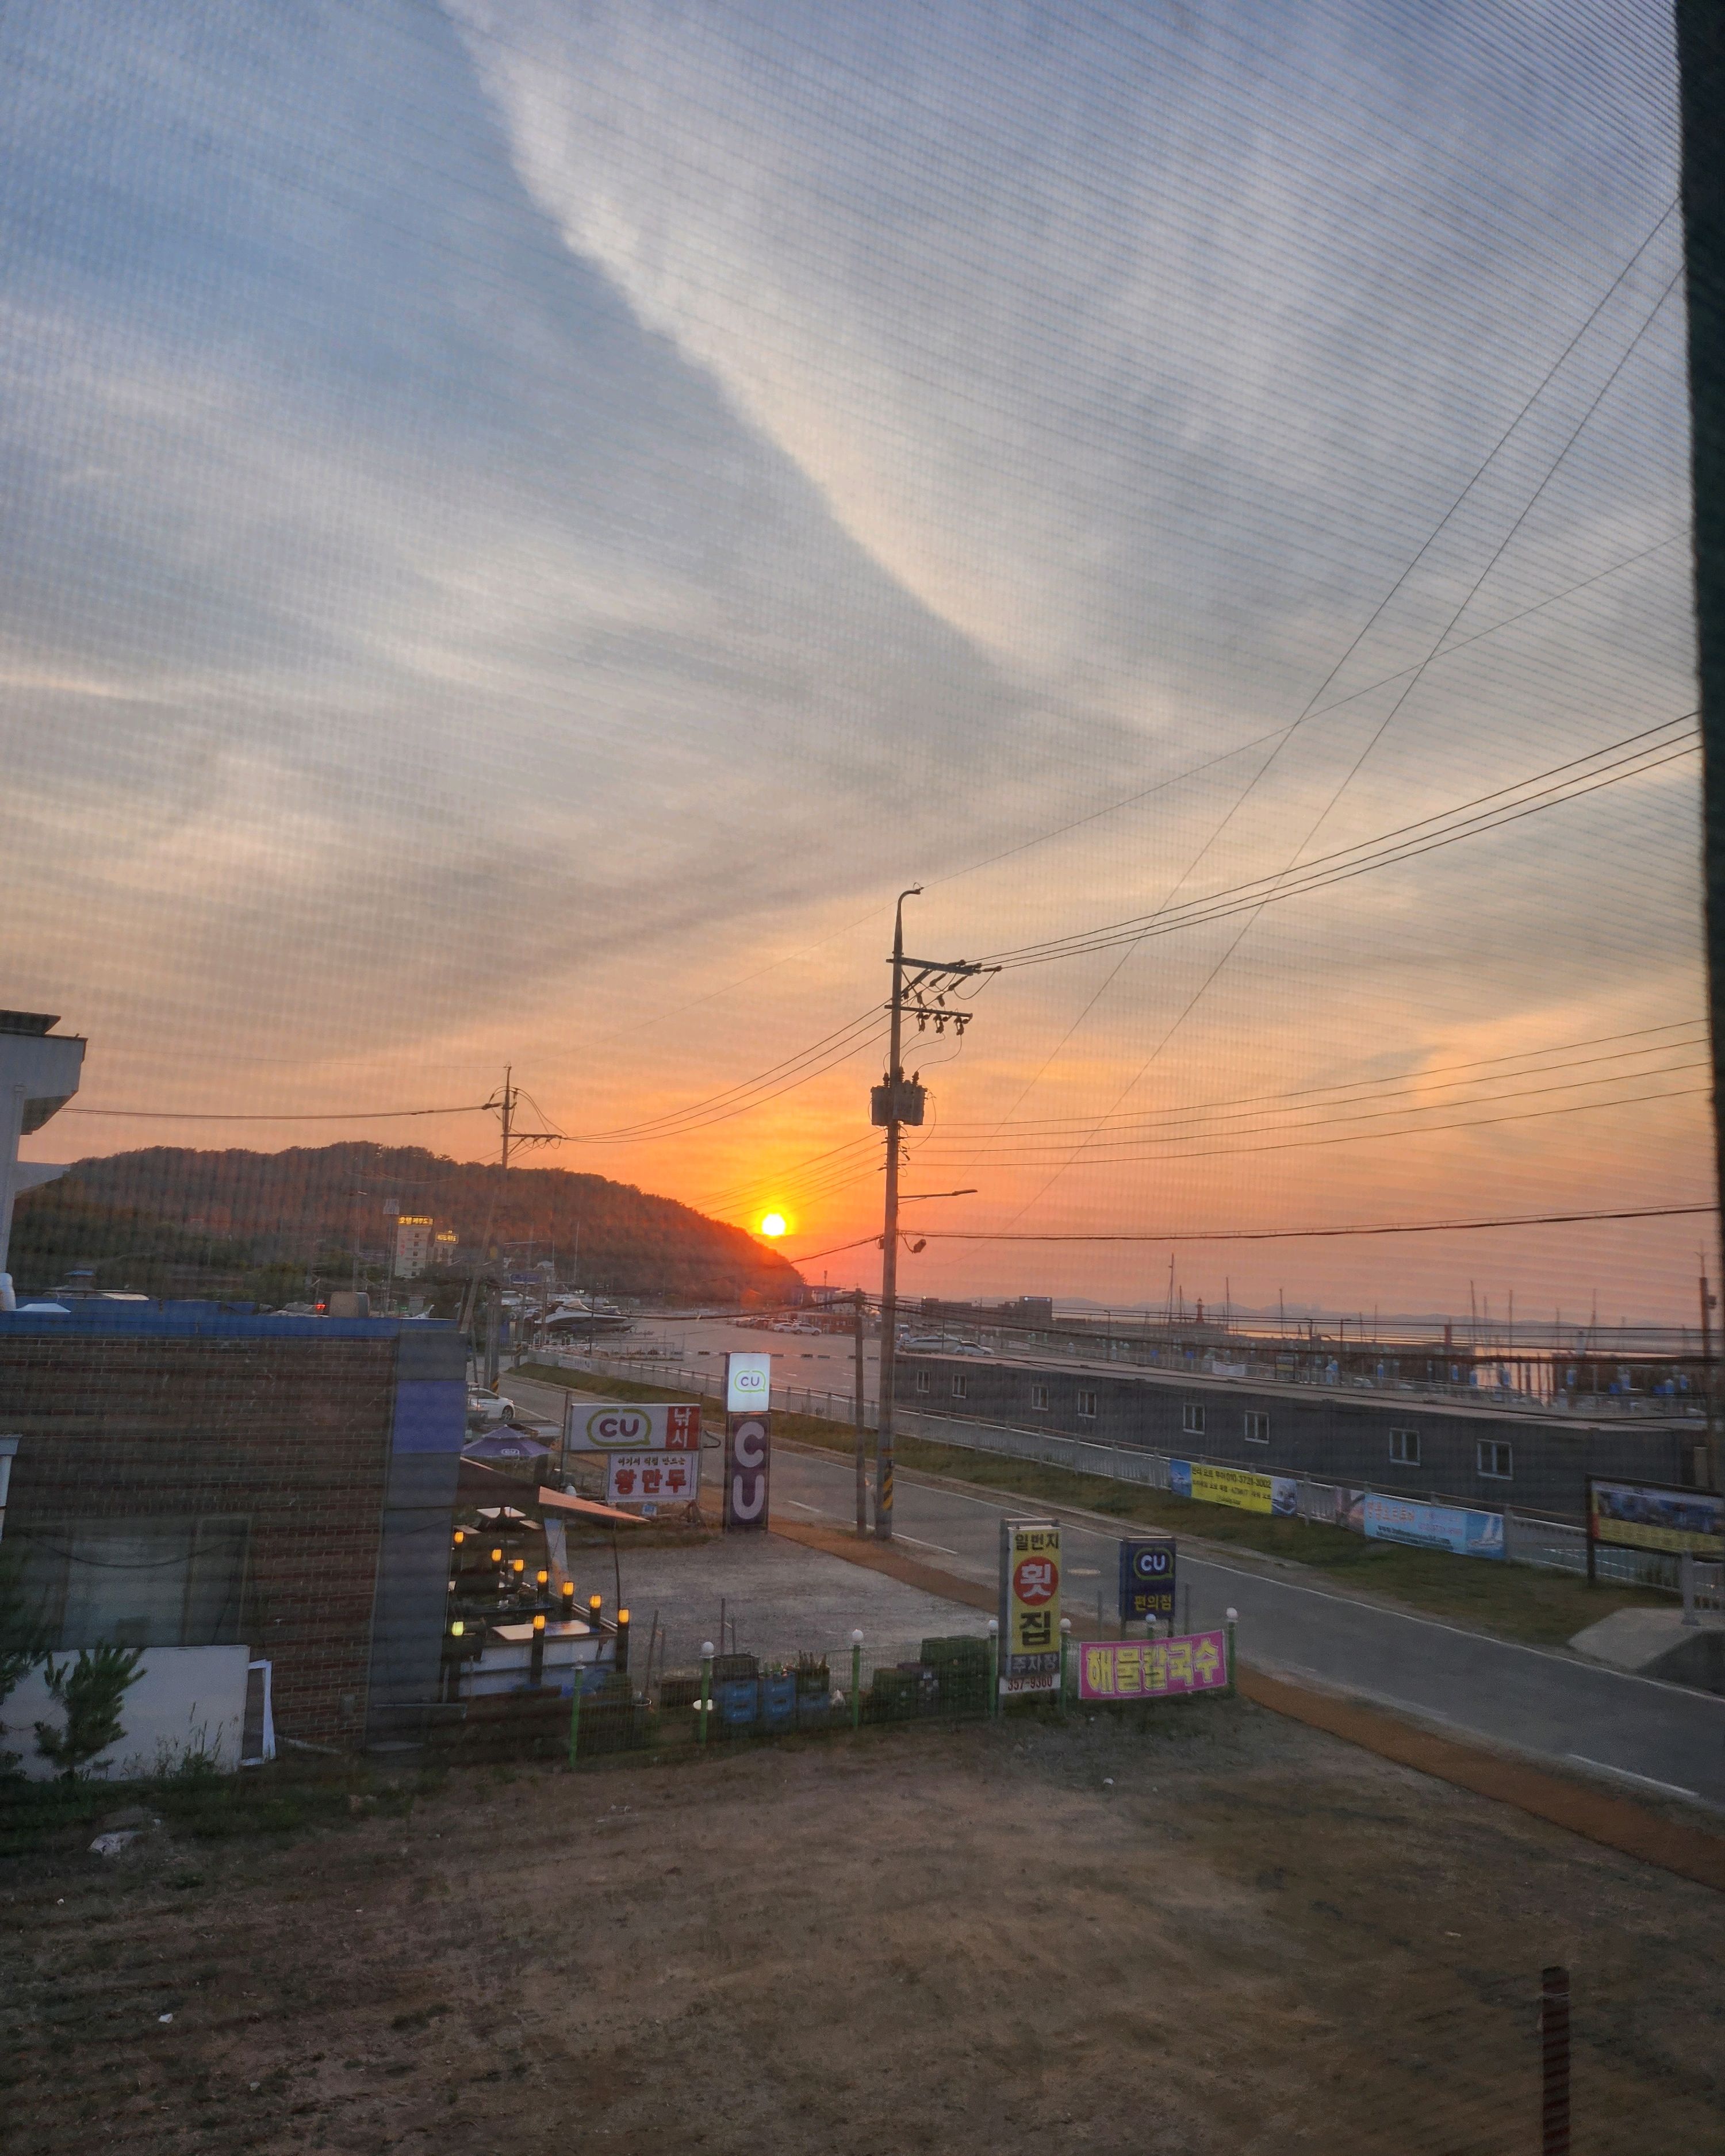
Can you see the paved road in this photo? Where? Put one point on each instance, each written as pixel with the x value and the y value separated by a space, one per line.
pixel 1552 1705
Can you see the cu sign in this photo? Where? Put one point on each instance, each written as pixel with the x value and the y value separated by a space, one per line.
pixel 1147 1579
pixel 748 1458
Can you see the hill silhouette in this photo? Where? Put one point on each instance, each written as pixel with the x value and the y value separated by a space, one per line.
pixel 151 1219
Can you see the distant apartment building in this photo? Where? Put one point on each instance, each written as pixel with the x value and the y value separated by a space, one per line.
pixel 414 1237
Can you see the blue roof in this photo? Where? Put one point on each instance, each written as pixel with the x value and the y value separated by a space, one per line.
pixel 93 1316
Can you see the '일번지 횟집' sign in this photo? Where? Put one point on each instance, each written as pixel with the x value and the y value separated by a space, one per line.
pixel 1029 1605
pixel 1153 1669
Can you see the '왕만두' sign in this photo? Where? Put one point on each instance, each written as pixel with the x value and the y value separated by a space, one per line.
pixel 652 1479
pixel 1653 1515
pixel 1153 1669
pixel 625 1426
pixel 1030 1604
pixel 1147 1579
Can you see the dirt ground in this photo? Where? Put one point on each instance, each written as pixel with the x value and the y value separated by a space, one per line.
pixel 1215 1930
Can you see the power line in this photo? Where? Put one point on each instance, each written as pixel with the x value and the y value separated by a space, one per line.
pixel 1359 1137
pixel 286 1115
pixel 1465 819
pixel 1394 1077
pixel 1304 1234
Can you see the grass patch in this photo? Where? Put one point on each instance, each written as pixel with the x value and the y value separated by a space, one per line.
pixel 1515 1601
pixel 605 1389
pixel 289 1796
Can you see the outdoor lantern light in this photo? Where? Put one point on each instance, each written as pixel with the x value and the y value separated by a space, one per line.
pixel 460 1537
pixel 520 1566
pixel 568 1597
pixel 592 1607
pixel 543 1578
pixel 496 1556
pixel 457 1629
pixel 539 1622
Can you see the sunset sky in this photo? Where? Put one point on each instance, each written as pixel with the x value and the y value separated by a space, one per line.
pixel 530 522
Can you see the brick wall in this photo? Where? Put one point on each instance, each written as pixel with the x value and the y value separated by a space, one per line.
pixel 295 1432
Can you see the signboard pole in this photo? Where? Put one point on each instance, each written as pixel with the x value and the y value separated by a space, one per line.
pixel 862 1451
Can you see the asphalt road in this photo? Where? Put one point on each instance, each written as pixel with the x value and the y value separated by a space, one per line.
pixel 1553 1706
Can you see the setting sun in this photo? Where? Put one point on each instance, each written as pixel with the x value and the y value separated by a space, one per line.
pixel 773 1224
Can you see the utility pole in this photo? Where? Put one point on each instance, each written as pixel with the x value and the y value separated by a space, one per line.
pixel 896 1102
pixel 1700 79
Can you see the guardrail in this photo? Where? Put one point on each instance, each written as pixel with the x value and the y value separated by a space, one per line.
pixel 1550 1545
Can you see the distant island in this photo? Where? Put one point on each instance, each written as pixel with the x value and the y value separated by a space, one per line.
pixel 266 1226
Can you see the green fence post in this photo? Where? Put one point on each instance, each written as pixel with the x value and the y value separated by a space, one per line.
pixel 1232 1620
pixel 575 1718
pixel 1066 1643
pixel 994 1668
pixel 707 1690
pixel 855 1679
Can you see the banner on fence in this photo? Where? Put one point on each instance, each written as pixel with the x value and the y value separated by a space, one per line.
pixel 652 1479
pixel 1655 1515
pixel 1029 1605
pixel 1147 1579
pixel 1153 1669
pixel 1433 1526
pixel 631 1426
pixel 1237 1486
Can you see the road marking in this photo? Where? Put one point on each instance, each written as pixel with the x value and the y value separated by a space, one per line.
pixel 801 1506
pixel 920 1544
pixel 1624 1774
pixel 1573 1662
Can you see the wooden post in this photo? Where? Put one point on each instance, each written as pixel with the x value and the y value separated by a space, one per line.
pixel 1554 2062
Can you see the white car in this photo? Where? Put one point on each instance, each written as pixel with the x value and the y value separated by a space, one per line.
pixel 488 1407
pixel 969 1348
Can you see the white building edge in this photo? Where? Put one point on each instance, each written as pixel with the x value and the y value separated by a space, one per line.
pixel 39 1071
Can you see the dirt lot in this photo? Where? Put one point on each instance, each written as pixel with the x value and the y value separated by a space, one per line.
pixel 1256 1938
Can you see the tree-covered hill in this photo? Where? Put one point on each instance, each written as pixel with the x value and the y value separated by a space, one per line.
pixel 169 1219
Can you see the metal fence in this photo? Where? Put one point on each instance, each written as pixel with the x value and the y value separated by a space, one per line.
pixel 733 1697
pixel 1550 1545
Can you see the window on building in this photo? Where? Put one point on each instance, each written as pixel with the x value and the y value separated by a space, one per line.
pixel 1038 1396
pixel 140 1582
pixel 1087 1407
pixel 961 1389
pixel 1192 1419
pixel 1257 1427
pixel 1496 1459
pixel 922 1381
pixel 1404 1447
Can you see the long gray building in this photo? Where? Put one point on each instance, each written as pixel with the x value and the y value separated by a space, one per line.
pixel 1530 1459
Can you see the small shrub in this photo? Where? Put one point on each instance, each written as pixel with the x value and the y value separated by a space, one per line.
pixel 91 1690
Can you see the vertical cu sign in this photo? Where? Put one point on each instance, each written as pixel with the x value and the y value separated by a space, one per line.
pixel 748 1401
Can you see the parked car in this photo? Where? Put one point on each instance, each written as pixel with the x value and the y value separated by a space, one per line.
pixel 969 1348
pixel 485 1409
pixel 923 1343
